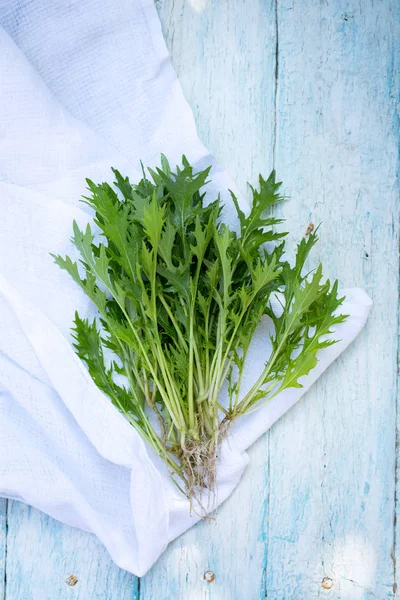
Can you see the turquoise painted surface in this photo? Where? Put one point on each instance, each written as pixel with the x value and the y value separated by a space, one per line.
pixel 3 538
pixel 313 88
pixel 47 560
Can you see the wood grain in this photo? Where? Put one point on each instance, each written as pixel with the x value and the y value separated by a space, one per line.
pixel 224 55
pixel 332 457
pixel 3 545
pixel 47 560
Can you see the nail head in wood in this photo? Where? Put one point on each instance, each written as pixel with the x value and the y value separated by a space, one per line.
pixel 327 583
pixel 71 580
pixel 209 576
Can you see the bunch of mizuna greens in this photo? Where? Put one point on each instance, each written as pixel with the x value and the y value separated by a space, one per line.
pixel 179 297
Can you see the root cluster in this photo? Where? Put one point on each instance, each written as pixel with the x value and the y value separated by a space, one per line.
pixel 198 459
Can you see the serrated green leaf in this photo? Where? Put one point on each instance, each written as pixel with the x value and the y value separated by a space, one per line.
pixel 180 297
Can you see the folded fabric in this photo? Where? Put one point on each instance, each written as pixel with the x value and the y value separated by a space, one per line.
pixel 87 86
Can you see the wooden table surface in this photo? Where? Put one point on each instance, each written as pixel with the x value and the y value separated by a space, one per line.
pixel 311 87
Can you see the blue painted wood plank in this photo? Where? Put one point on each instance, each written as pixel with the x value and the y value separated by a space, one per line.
pixel 224 54
pixel 47 560
pixel 332 457
pixel 3 545
pixel 393 89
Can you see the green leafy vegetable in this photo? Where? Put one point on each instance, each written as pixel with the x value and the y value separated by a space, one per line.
pixel 179 297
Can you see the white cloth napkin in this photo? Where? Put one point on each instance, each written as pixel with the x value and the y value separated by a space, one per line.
pixel 85 86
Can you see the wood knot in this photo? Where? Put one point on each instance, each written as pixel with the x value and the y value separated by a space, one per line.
pixel 209 576
pixel 327 583
pixel 71 580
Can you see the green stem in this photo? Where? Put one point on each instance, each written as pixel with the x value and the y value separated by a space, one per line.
pixel 173 321
pixel 192 420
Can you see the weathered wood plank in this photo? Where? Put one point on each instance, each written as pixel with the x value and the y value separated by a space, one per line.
pixel 332 457
pixel 3 545
pixel 393 86
pixel 224 54
pixel 44 556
